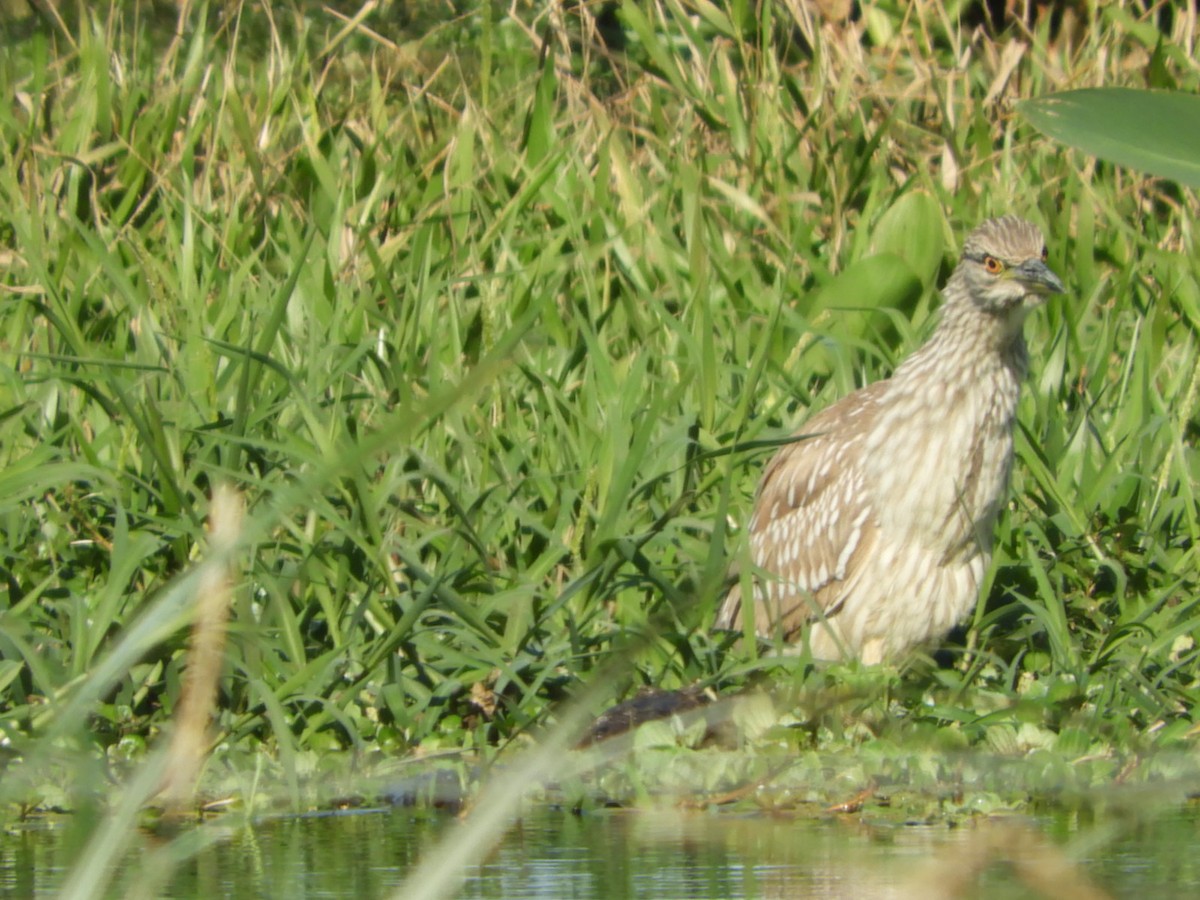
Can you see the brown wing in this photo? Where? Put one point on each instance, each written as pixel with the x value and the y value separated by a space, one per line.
pixel 811 521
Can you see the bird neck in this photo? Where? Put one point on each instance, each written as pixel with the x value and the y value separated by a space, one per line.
pixel 969 341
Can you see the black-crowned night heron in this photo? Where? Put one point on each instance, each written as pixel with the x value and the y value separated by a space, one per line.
pixel 871 534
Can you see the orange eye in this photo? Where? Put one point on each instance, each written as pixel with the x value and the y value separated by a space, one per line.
pixel 993 265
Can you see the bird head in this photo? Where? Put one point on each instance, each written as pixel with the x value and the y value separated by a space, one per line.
pixel 1004 266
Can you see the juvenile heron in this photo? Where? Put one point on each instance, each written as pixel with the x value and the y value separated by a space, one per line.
pixel 871 534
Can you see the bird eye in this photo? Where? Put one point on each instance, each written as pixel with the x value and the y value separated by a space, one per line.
pixel 993 265
pixel 1045 254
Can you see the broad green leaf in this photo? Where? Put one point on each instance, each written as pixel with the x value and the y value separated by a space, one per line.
pixel 1157 132
pixel 848 306
pixel 913 229
pixel 884 281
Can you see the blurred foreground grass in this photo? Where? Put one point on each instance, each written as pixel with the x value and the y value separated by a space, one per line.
pixel 490 316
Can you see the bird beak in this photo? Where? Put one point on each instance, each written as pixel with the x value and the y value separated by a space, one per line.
pixel 1038 277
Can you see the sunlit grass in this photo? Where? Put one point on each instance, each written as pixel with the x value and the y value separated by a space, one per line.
pixel 493 324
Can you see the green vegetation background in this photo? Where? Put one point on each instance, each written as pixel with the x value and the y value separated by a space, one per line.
pixel 493 318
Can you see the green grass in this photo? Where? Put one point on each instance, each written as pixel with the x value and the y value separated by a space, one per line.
pixel 494 325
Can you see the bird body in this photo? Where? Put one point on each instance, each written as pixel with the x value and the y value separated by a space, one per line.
pixel 872 532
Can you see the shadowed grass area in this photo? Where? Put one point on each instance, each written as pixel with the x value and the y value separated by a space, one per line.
pixel 493 320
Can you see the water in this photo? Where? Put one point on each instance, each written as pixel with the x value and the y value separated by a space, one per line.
pixel 551 853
